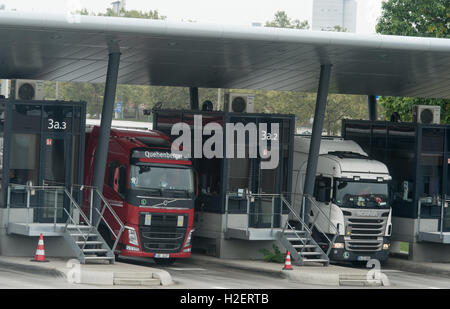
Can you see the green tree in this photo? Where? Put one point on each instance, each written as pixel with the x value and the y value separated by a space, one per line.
pixel 151 14
pixel 415 18
pixel 339 28
pixel 281 20
pixel 423 18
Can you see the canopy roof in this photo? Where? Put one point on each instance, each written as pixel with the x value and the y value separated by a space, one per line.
pixel 155 52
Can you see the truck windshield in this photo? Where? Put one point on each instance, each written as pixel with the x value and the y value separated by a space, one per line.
pixel 352 194
pixel 162 181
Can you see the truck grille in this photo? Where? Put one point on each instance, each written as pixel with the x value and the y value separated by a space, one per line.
pixel 163 235
pixel 366 234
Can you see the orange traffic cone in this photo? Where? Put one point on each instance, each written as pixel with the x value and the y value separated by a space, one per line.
pixel 287 263
pixel 40 252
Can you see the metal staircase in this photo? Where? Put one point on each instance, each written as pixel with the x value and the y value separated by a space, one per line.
pixel 85 239
pixel 302 246
pixel 88 244
pixel 299 240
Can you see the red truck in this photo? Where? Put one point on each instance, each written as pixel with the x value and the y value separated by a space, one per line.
pixel 151 190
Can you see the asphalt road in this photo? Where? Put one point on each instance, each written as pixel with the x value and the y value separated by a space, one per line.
pixel 14 279
pixel 191 274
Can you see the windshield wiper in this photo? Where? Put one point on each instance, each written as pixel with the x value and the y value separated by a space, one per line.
pixel 153 190
pixel 185 192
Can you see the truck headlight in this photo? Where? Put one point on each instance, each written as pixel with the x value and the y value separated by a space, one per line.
pixel 132 236
pixel 188 240
pixel 338 245
pixel 386 246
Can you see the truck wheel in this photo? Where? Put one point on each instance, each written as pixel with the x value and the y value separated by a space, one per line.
pixel 104 232
pixel 164 262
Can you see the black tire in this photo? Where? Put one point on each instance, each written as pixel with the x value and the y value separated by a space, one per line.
pixel 106 235
pixel 104 232
pixel 164 262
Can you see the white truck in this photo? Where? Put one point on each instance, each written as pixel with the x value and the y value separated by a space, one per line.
pixel 352 191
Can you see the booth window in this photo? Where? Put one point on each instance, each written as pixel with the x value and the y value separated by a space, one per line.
pixel 26 118
pixel 24 158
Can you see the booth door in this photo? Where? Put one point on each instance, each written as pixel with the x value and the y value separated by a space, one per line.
pixel 56 156
pixel 266 209
pixel 447 195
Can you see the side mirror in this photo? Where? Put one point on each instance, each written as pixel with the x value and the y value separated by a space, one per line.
pixel 323 190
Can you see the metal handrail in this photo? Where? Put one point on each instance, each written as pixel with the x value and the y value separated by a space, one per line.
pixel 247 197
pixel 444 201
pixel 73 205
pixel 55 207
pixel 284 202
pixel 304 224
pixel 330 223
pixel 113 213
pixel 323 213
pixel 81 213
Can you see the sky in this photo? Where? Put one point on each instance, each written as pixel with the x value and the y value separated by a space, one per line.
pixel 229 12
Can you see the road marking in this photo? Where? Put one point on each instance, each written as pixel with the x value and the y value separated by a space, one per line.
pixel 188 269
pixel 219 288
pixel 434 288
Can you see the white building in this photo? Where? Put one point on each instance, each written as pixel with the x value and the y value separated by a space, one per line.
pixel 330 13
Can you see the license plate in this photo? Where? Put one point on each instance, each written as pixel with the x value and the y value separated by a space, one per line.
pixel 363 258
pixel 161 255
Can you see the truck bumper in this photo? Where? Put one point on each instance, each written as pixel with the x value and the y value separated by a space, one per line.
pixel 355 256
pixel 177 255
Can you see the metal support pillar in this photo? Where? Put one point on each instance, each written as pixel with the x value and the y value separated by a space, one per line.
pixel 193 93
pixel 316 136
pixel 372 103
pixel 105 127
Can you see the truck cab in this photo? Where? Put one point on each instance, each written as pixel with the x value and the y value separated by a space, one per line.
pixel 352 190
pixel 150 189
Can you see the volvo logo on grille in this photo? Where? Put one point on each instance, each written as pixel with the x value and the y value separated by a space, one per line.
pixel 165 202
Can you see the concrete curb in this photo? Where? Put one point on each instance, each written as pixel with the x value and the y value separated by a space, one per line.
pixel 418 267
pixel 309 278
pixel 87 276
pixel 298 274
pixel 164 277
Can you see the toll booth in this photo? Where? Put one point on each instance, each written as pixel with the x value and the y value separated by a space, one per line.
pixel 42 145
pixel 229 223
pixel 418 158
